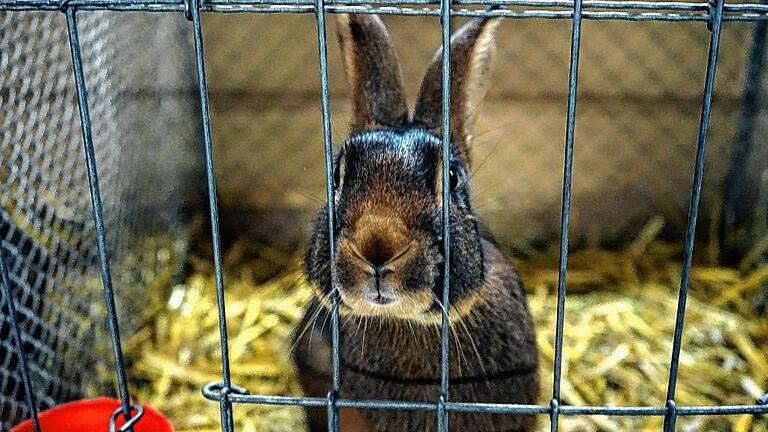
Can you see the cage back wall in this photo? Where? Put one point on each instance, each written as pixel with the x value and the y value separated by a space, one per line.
pixel 639 93
pixel 645 118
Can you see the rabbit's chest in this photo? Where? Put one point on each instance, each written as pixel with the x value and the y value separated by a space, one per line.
pixel 403 357
pixel 359 386
pixel 394 366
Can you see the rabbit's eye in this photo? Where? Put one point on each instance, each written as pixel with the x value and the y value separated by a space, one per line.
pixel 454 178
pixel 337 174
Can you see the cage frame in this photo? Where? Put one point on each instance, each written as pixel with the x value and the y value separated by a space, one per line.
pixel 227 393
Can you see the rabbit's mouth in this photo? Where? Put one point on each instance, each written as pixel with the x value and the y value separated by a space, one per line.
pixel 402 306
pixel 399 286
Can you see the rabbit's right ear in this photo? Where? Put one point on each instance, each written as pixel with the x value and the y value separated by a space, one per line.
pixel 373 72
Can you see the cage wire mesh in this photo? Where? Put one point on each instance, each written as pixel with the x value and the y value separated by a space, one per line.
pixel 640 93
pixel 640 96
pixel 144 123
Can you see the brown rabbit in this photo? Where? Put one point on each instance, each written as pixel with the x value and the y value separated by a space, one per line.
pixel 387 180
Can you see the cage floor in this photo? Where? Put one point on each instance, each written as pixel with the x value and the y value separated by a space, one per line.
pixel 618 330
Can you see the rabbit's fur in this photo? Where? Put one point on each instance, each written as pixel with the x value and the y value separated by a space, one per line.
pixel 389 262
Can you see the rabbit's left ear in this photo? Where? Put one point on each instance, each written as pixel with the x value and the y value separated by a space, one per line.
pixel 472 52
pixel 373 71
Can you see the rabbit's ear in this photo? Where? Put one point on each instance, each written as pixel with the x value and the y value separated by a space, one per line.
pixel 472 52
pixel 373 72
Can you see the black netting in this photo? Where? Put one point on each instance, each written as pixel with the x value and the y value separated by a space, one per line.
pixel 143 113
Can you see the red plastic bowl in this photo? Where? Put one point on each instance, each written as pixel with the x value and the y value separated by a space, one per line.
pixel 93 415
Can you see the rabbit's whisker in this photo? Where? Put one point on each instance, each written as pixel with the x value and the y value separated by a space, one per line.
pixel 487 131
pixel 481 164
pixel 310 323
pixel 454 335
pixel 497 200
pixel 460 321
pixel 463 324
pixel 316 199
pixel 365 328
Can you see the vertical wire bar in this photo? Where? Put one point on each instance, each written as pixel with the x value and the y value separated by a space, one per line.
pixel 445 22
pixel 26 381
pixel 225 405
pixel 98 213
pixel 573 79
pixel 693 209
pixel 322 47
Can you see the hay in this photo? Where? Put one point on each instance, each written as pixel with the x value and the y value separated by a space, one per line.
pixel 618 330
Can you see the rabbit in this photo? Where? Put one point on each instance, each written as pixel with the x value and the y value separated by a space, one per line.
pixel 389 263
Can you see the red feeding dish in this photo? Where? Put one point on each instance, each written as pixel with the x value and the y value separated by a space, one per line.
pixel 93 415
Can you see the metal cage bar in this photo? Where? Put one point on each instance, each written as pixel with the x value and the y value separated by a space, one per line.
pixel 495 408
pixel 443 406
pixel 445 23
pixel 543 9
pixel 97 210
pixel 690 232
pixel 18 343
pixel 322 48
pixel 573 81
pixel 225 406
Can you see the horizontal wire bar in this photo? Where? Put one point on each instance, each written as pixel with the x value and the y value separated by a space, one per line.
pixel 492 408
pixel 722 410
pixel 624 411
pixel 496 408
pixel 587 4
pixel 675 11
pixel 384 404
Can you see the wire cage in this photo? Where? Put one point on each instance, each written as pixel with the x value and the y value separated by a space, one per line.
pixel 228 393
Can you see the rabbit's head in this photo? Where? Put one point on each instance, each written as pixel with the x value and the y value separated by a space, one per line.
pixel 388 179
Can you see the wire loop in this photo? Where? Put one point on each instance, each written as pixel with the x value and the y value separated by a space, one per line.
pixel 188 6
pixel 712 10
pixel 217 390
pixel 131 421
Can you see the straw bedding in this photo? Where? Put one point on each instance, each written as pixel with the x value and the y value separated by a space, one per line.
pixel 619 321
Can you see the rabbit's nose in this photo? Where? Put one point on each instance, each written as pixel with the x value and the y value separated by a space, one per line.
pixel 376 255
pixel 380 240
pixel 378 250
